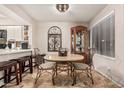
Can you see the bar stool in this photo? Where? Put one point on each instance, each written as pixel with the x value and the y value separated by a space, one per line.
pixel 19 69
pixel 24 60
pixel 6 65
pixel 22 65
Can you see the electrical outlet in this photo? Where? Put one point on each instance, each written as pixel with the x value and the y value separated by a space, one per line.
pixel 109 72
pixel 108 68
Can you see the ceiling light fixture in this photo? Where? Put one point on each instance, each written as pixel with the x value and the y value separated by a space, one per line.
pixel 62 7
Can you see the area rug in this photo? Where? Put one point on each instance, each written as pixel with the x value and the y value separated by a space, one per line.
pixel 63 81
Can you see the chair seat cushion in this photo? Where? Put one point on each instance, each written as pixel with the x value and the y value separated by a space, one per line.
pixel 80 66
pixel 47 65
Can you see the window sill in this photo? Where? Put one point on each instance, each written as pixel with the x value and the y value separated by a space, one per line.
pixel 106 57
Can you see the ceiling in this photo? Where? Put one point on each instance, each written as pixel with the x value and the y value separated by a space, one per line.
pixel 49 13
pixel 2 15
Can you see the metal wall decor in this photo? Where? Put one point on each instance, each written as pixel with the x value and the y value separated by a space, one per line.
pixel 54 39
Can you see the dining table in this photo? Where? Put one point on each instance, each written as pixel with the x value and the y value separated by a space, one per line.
pixel 69 58
pixel 64 61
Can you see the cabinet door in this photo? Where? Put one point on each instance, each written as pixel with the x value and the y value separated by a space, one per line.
pixel 14 32
pixel 18 33
pixel 79 39
pixel 10 33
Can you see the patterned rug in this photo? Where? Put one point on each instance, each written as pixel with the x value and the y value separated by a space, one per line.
pixel 63 81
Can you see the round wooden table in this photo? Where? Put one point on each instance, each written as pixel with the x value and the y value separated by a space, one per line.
pixel 68 58
pixel 64 63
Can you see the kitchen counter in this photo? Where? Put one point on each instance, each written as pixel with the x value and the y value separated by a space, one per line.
pixel 13 51
pixel 7 54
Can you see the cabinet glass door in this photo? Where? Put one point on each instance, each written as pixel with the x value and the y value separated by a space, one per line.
pixel 79 41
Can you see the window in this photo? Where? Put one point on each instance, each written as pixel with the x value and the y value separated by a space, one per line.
pixel 54 39
pixel 103 37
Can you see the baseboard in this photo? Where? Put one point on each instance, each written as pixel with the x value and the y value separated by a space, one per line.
pixel 109 78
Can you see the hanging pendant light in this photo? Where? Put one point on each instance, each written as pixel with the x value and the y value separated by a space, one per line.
pixel 62 7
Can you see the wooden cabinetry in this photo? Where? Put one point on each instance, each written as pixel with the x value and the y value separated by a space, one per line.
pixel 79 40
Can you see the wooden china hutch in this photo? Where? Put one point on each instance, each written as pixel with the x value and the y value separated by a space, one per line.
pixel 80 41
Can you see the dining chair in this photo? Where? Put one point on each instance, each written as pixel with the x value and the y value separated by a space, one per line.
pixel 41 67
pixel 63 66
pixel 34 53
pixel 80 67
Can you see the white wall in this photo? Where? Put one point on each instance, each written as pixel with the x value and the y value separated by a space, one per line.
pixel 42 34
pixel 33 35
pixel 14 15
pixel 112 68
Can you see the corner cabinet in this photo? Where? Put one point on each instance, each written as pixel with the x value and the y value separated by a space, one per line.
pixel 79 40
